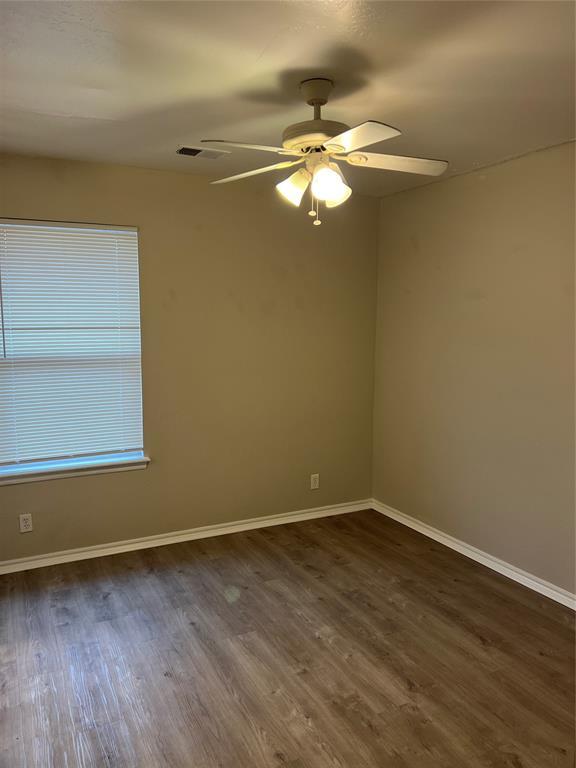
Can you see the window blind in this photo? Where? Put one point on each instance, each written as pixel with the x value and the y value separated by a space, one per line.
pixel 70 372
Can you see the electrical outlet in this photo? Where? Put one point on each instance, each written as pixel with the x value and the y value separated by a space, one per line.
pixel 26 522
pixel 314 482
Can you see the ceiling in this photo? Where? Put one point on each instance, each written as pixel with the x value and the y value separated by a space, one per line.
pixel 129 82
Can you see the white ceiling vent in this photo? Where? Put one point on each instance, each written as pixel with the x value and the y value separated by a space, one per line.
pixel 203 154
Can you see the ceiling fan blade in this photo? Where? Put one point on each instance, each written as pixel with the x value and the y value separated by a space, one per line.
pixel 259 147
pixel 397 163
pixel 362 135
pixel 256 171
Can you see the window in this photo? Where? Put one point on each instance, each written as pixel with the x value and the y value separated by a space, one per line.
pixel 70 374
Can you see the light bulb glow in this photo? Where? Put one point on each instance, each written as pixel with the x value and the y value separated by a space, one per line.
pixel 292 189
pixel 326 183
pixel 329 185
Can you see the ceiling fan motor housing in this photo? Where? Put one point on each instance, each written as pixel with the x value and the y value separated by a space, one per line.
pixel 311 133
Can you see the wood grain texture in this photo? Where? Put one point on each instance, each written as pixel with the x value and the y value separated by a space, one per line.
pixel 345 642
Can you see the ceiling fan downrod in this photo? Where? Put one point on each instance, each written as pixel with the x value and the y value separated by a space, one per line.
pixel 315 92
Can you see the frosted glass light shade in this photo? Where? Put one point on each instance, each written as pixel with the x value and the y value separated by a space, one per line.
pixel 329 185
pixel 292 189
pixel 345 194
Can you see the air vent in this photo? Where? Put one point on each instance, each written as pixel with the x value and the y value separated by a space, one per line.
pixel 204 154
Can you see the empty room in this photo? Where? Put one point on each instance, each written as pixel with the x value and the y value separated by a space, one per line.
pixel 287 403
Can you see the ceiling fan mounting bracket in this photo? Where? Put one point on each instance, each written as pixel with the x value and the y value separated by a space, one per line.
pixel 316 90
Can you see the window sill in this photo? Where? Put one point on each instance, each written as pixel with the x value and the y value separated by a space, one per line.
pixel 61 469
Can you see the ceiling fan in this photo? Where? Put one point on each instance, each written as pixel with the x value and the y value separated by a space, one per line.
pixel 319 145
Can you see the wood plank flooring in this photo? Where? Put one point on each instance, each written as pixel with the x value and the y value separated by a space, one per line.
pixel 346 642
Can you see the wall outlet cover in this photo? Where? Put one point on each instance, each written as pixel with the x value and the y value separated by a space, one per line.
pixel 25 522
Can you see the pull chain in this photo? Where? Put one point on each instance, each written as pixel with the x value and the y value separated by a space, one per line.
pixel 317 221
pixel 311 212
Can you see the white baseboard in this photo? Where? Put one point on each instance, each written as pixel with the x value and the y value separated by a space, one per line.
pixel 145 542
pixel 219 529
pixel 511 571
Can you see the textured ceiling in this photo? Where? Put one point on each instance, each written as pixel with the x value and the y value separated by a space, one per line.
pixel 129 82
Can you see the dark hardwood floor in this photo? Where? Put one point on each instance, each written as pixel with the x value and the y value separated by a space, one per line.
pixel 346 642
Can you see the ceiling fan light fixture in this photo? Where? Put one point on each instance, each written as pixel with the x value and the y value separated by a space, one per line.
pixel 328 184
pixel 292 189
pixel 318 145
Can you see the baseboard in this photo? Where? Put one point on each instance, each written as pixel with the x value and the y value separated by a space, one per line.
pixel 506 569
pixel 145 542
pixel 220 529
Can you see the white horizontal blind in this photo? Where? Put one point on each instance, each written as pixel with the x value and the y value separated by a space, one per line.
pixel 70 378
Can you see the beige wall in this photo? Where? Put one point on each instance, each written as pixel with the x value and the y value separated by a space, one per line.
pixel 258 338
pixel 474 393
pixel 257 354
